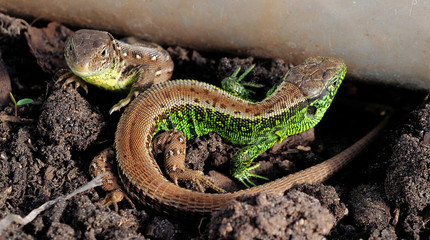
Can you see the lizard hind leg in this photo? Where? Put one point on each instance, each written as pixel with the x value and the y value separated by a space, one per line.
pixel 100 165
pixel 234 86
pixel 173 145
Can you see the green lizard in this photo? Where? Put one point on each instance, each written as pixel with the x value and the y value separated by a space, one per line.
pixel 296 105
pixel 193 109
pixel 160 120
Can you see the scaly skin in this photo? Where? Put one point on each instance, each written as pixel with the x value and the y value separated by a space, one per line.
pixel 196 108
pixel 99 59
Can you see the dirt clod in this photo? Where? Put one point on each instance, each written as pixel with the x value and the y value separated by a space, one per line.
pixel 407 182
pixel 160 228
pixel 269 216
pixel 371 212
pixel 67 118
pixel 328 198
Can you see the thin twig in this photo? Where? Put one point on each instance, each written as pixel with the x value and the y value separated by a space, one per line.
pixel 5 222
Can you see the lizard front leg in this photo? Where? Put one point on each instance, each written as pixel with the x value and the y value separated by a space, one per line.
pixel 68 77
pixel 146 76
pixel 240 165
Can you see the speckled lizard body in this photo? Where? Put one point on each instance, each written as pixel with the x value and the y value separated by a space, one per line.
pixel 193 109
pixel 130 66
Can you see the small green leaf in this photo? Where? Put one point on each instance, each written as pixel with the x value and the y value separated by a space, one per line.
pixel 11 97
pixel 24 101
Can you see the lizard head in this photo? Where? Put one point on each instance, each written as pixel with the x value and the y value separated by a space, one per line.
pixel 90 52
pixel 318 78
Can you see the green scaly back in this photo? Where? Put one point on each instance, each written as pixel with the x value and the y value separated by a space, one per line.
pixel 297 104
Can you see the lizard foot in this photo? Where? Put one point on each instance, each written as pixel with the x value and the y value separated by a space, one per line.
pixel 116 196
pixel 195 176
pixel 124 102
pixel 69 78
pixel 99 165
pixel 244 175
pixel 237 88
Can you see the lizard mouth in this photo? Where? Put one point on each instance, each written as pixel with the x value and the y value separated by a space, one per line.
pixel 83 71
pixel 78 69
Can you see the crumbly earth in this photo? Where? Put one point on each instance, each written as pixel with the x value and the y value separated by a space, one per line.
pixel 270 216
pixel 45 153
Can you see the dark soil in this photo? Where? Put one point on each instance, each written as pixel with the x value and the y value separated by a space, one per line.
pixel 46 152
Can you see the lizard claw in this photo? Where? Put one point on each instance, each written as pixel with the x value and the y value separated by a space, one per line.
pixel 100 165
pixel 233 85
pixel 195 176
pixel 115 197
pixel 244 175
pixel 69 77
pixel 124 102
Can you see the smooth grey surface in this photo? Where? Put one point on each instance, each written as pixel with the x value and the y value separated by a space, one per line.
pixel 383 41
